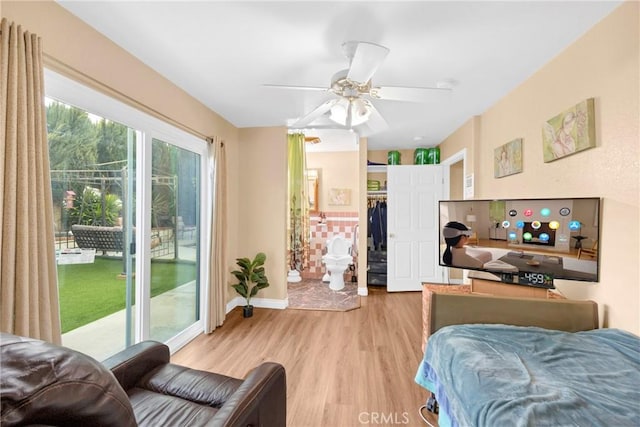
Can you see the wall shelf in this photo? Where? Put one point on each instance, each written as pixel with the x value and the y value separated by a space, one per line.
pixel 376 168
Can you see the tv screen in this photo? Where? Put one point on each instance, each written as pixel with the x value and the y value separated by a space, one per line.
pixel 532 241
pixel 538 233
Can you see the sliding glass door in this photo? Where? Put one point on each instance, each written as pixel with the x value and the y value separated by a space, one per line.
pixel 92 177
pixel 175 231
pixel 128 195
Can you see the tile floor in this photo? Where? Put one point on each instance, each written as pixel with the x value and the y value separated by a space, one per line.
pixel 313 294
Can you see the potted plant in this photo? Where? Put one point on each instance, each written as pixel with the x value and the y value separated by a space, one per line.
pixel 251 279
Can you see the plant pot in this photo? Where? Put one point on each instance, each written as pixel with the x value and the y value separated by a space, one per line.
pixel 247 311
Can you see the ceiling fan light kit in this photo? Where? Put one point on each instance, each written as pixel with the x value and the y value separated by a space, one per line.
pixel 350 112
pixel 360 111
pixel 354 91
pixel 338 113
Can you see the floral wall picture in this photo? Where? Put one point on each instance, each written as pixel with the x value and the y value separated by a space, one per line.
pixel 507 159
pixel 569 132
pixel 339 197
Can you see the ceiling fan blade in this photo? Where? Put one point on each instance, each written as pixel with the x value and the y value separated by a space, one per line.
pixel 375 124
pixel 319 111
pixel 321 126
pixel 314 88
pixel 410 94
pixel 366 60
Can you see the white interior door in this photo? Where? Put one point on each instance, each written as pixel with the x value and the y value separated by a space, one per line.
pixel 413 193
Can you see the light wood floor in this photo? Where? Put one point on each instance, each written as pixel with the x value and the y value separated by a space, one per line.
pixel 343 368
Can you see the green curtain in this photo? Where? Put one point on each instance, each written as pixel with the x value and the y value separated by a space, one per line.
pixel 298 247
pixel 497 211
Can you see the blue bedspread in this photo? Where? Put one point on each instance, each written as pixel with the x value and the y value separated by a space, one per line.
pixel 498 375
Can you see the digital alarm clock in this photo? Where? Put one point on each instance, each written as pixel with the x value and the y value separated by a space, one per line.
pixel 541 280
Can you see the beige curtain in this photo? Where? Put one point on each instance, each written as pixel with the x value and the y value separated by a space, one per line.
pixel 218 281
pixel 28 281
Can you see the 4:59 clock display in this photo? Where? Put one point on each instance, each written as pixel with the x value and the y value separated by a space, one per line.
pixel 543 280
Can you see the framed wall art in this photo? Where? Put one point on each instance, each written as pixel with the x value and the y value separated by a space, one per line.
pixel 339 197
pixel 507 159
pixel 569 132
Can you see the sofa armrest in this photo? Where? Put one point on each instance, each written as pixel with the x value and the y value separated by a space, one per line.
pixel 261 400
pixel 133 363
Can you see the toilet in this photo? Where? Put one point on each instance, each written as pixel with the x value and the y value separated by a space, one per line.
pixel 337 260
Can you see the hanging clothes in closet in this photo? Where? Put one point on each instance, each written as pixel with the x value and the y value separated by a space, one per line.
pixel 377 240
pixel 377 215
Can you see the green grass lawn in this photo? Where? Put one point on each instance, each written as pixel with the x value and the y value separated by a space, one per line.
pixel 89 292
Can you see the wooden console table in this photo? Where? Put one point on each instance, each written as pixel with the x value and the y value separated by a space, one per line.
pixel 490 287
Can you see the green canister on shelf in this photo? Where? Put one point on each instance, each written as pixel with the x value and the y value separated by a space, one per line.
pixel 393 158
pixel 433 156
pixel 420 156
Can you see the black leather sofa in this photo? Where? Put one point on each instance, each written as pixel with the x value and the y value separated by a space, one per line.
pixel 47 385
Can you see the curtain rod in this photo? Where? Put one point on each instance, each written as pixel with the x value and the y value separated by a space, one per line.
pixel 60 66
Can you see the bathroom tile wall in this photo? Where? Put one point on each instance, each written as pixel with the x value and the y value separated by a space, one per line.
pixel 342 223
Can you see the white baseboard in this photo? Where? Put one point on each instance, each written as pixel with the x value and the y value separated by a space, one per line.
pixel 363 291
pixel 278 304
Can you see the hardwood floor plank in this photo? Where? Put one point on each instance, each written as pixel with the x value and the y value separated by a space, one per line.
pixel 343 368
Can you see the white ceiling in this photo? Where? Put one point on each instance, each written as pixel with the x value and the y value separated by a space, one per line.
pixel 222 53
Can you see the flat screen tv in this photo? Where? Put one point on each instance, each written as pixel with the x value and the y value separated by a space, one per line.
pixel 524 241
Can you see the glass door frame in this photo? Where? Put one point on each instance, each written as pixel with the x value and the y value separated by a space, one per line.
pixel 147 127
pixel 190 143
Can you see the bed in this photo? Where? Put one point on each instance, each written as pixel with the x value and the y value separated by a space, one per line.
pixel 540 372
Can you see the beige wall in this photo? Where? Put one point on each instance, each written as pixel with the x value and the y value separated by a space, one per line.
pixel 466 136
pixel 338 169
pixel 456 181
pixel 262 205
pixel 604 65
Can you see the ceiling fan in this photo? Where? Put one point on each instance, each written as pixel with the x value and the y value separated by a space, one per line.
pixel 352 106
